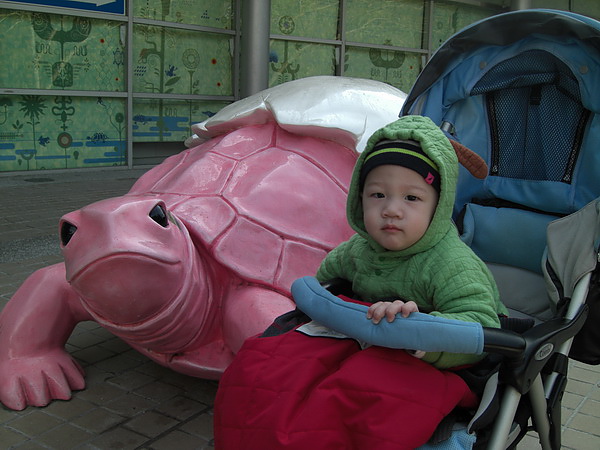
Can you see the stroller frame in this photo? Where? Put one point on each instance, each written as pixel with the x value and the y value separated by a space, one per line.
pixel 532 52
pixel 498 93
pixel 541 392
pixel 525 356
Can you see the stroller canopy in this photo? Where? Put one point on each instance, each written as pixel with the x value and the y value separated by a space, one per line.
pixel 522 90
pixel 505 31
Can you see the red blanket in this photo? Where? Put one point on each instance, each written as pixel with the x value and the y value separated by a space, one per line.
pixel 300 392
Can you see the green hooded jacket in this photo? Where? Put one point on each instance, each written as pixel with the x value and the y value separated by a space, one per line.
pixel 439 272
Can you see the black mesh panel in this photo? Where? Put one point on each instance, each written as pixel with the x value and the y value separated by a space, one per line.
pixel 536 117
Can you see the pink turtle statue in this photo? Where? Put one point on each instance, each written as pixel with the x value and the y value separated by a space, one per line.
pixel 201 252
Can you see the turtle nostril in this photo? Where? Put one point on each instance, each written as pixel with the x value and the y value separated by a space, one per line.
pixel 159 215
pixel 67 230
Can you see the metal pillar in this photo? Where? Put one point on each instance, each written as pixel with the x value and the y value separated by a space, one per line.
pixel 254 56
pixel 521 4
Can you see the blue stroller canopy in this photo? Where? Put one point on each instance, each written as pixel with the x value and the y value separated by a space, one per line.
pixel 522 90
pixel 548 28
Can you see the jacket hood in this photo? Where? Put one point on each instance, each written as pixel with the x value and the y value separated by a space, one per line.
pixel 438 148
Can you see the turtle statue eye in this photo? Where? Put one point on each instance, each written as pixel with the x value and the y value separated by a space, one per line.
pixel 159 215
pixel 67 230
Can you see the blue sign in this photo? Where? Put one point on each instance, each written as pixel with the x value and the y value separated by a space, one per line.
pixel 101 6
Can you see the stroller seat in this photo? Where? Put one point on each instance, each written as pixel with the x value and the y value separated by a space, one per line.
pixel 520 89
pixel 524 376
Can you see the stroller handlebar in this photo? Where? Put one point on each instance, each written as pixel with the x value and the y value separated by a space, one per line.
pixel 505 342
pixel 527 351
pixel 418 331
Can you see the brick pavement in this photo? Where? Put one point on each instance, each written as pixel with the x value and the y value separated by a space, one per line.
pixel 130 402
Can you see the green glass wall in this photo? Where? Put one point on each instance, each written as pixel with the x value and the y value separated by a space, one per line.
pixel 209 13
pixel 64 98
pixel 91 89
pixel 59 53
pixel 61 132
pixel 385 40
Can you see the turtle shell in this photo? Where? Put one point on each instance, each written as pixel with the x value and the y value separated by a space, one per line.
pixel 265 203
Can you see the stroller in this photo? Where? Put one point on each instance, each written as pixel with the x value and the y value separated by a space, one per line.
pixel 519 89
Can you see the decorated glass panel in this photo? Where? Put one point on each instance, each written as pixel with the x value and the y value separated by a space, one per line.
pixel 61 132
pixel 290 60
pixel 306 18
pixel 174 61
pixel 451 17
pixel 169 120
pixel 388 22
pixel 400 69
pixel 208 13
pixel 585 7
pixel 48 51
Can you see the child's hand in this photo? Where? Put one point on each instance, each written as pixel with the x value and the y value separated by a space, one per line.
pixel 419 354
pixel 379 310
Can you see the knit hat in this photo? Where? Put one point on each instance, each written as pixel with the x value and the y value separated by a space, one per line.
pixel 406 153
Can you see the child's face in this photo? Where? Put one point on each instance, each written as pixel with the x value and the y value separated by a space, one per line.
pixel 398 206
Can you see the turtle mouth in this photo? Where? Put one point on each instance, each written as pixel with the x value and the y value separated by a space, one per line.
pixel 167 311
pixel 72 275
pixel 127 288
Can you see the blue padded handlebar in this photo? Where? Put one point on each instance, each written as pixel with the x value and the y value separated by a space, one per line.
pixel 418 331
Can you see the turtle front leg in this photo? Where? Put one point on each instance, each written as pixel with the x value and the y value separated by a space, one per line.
pixel 250 310
pixel 34 327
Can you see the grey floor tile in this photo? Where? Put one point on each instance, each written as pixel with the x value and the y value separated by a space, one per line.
pixel 151 424
pixel 99 420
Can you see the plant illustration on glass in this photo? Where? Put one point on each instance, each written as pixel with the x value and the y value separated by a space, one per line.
pixel 5 102
pixel 167 76
pixel 62 71
pixel 191 60
pixel 64 111
pixel 385 59
pixel 32 106
pixel 287 71
pixel 118 123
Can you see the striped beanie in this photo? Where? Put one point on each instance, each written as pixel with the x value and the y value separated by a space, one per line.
pixel 406 153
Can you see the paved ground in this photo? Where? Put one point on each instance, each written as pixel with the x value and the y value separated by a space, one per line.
pixel 131 402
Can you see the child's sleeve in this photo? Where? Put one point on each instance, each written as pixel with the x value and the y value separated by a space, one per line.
pixel 464 291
